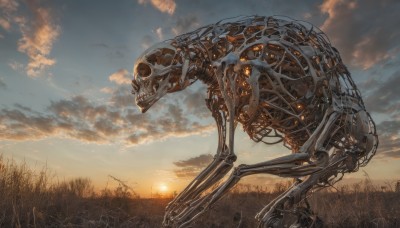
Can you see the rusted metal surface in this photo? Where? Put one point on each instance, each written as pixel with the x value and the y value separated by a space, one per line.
pixel 284 83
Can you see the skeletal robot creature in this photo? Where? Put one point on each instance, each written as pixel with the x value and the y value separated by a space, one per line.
pixel 284 83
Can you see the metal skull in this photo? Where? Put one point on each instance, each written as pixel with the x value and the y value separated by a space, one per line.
pixel 156 72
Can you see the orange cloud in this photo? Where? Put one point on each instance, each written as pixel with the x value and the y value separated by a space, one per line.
pixel 165 6
pixel 121 77
pixel 328 7
pixel 37 39
pixel 38 33
pixel 5 24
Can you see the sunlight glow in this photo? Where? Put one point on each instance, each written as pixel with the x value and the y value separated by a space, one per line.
pixel 163 188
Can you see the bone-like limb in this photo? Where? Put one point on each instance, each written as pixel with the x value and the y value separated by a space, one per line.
pixel 221 165
pixel 192 190
pixel 293 195
pixel 213 173
pixel 282 166
pixel 177 212
pixel 328 166
pixel 286 166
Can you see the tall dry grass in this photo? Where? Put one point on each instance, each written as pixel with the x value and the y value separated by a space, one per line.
pixel 30 198
pixel 358 205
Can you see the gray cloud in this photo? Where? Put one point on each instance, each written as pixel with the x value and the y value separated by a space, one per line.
pixel 106 127
pixel 24 108
pixel 198 162
pixel 185 24
pixel 171 123
pixel 76 109
pixel 122 97
pixel 191 167
pixel 365 32
pixel 81 119
pixel 368 84
pixel 19 126
pixel 389 140
pixel 73 118
pixel 385 97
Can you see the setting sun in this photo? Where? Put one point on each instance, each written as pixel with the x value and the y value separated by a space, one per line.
pixel 163 188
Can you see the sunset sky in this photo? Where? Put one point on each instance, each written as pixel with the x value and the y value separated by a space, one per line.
pixel 66 102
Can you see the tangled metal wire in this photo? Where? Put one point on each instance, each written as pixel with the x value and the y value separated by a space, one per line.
pixel 284 83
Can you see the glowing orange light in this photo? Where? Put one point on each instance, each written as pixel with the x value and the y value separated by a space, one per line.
pixel 247 71
pixel 299 106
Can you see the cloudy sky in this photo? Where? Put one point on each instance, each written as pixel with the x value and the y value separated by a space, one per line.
pixel 66 67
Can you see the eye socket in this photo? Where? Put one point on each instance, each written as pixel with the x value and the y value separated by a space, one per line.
pixel 143 70
pixel 165 59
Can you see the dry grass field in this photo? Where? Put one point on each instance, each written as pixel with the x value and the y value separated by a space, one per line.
pixel 30 199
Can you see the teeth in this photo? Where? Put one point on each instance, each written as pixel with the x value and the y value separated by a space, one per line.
pixel 144 96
